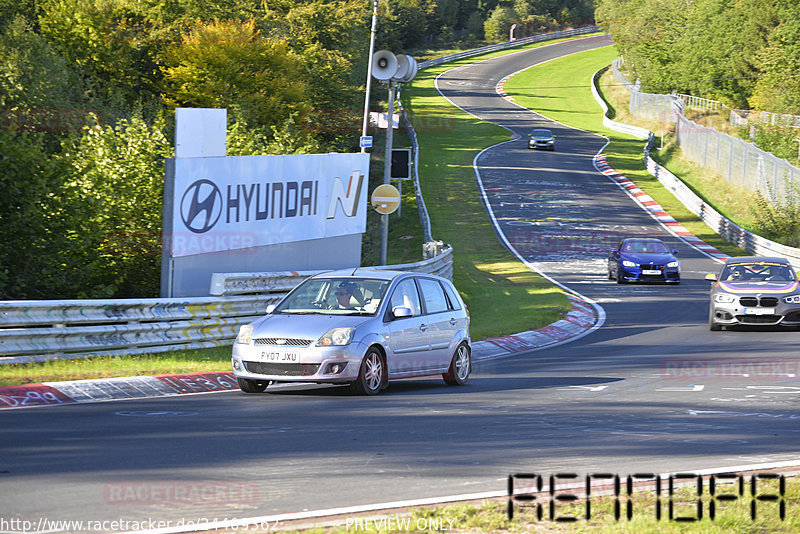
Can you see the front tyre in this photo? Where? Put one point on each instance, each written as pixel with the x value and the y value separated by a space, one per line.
pixel 460 367
pixel 252 386
pixel 371 376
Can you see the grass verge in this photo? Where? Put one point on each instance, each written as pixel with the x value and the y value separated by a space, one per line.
pixel 485 272
pixel 559 90
pixel 491 516
pixel 184 361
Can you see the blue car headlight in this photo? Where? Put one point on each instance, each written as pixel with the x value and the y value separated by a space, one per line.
pixel 673 264
pixel 626 263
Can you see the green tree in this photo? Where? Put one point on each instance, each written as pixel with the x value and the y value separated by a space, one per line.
pixel 38 88
pixel 405 24
pixel 331 38
pixel 228 64
pixel 11 9
pixel 778 87
pixel 110 44
pixel 113 198
pixel 33 226
pixel 498 24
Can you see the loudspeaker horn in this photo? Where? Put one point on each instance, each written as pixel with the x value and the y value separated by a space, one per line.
pixel 406 68
pixel 412 70
pixel 403 64
pixel 384 65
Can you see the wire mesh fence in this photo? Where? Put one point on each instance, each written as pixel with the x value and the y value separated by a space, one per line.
pixel 741 163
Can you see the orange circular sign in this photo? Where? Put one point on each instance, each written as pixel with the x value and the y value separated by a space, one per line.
pixel 385 199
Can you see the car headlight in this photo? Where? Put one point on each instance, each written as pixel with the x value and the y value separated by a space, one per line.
pixel 626 263
pixel 792 299
pixel 245 334
pixel 673 264
pixel 337 337
pixel 724 298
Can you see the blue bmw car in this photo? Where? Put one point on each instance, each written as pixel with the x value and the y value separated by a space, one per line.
pixel 643 260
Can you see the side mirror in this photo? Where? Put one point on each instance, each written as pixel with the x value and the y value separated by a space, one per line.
pixel 674 252
pixel 615 251
pixel 271 308
pixel 711 277
pixel 401 311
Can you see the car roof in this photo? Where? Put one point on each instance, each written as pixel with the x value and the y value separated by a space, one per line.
pixel 753 259
pixel 543 130
pixel 366 272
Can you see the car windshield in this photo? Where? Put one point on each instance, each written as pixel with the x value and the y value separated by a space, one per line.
pixel 761 271
pixel 335 295
pixel 645 247
pixel 541 133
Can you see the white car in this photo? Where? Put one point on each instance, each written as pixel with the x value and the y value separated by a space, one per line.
pixel 359 327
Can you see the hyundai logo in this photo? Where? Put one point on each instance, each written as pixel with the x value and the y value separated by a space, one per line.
pixel 201 206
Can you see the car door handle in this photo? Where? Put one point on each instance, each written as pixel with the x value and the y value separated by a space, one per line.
pixel 453 321
pixel 423 327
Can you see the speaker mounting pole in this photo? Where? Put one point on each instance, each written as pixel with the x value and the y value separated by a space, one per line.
pixel 392 69
pixel 369 69
pixel 387 168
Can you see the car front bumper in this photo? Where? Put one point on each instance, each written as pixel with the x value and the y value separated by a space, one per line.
pixel 637 274
pixel 549 145
pixel 736 314
pixel 307 364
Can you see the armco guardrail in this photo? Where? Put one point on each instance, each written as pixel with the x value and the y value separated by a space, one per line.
pixel 641 133
pixel 238 283
pixel 731 232
pixel 43 330
pixel 508 44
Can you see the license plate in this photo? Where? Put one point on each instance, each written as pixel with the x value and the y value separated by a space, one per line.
pixel 651 271
pixel 280 356
pixel 759 311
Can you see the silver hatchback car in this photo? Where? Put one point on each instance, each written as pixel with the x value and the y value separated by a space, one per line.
pixel 359 327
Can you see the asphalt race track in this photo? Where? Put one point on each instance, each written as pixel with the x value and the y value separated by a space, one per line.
pixel 619 400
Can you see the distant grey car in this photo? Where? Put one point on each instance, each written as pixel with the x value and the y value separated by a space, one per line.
pixel 542 138
pixel 361 328
pixel 754 290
